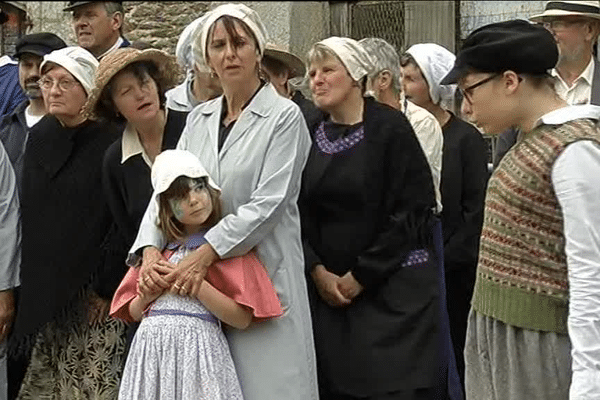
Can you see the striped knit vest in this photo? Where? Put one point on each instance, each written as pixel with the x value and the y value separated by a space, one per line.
pixel 522 270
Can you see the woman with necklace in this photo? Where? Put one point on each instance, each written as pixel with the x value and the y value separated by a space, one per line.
pixel 367 204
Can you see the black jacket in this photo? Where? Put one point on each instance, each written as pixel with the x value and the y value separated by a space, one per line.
pixel 13 133
pixel 128 188
pixel 463 185
pixel 363 210
pixel 65 219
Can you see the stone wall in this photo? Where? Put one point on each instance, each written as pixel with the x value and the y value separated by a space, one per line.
pixel 160 23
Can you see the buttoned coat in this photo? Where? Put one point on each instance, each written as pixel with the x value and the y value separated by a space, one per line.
pixel 259 170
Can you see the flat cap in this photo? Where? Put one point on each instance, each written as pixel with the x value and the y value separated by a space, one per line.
pixel 74 4
pixel 39 44
pixel 515 45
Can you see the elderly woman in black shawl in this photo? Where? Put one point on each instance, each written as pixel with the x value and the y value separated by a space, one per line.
pixel 62 311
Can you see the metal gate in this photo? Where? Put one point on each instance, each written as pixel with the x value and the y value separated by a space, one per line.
pixel 380 19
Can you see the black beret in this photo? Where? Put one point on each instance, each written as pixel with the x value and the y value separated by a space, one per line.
pixel 39 44
pixel 515 45
pixel 75 4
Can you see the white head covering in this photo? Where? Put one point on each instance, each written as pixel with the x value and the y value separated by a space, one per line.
pixel 78 61
pixel 354 57
pixel 185 50
pixel 435 62
pixel 241 12
pixel 171 164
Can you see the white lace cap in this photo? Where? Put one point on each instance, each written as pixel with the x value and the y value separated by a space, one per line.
pixel 171 164
pixel 241 12
pixel 435 62
pixel 78 61
pixel 354 57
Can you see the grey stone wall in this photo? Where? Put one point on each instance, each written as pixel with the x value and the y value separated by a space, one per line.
pixel 48 16
pixel 160 23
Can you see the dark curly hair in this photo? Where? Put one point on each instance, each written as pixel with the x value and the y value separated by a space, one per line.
pixel 106 108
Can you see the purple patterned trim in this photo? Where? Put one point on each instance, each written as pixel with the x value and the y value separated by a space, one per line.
pixel 416 257
pixel 204 316
pixel 340 144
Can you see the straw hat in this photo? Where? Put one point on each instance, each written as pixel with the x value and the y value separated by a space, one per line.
pixel 115 61
pixel 295 64
pixel 589 9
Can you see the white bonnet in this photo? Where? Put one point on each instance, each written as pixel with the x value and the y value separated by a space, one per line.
pixel 354 57
pixel 241 12
pixel 435 62
pixel 78 61
pixel 171 164
pixel 185 50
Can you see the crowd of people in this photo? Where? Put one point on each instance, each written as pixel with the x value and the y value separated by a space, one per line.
pixel 235 236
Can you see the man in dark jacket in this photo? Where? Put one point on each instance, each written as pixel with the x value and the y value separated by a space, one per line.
pixel 9 82
pixel 98 25
pixel 14 127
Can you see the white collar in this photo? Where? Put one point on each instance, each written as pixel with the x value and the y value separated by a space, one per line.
pixel 115 46
pixel 587 74
pixel 131 145
pixel 570 113
pixel 5 60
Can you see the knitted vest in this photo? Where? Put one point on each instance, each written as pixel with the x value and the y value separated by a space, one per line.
pixel 522 270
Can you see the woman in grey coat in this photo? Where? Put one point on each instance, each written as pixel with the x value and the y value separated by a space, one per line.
pixel 254 143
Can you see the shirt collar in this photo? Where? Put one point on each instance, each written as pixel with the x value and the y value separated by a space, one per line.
pixel 131 145
pixel 192 242
pixel 569 113
pixel 5 60
pixel 587 74
pixel 115 46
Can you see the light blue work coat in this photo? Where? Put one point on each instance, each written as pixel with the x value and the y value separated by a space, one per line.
pixel 259 170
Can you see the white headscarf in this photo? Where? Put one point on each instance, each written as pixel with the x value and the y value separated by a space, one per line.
pixel 241 12
pixel 435 62
pixel 184 51
pixel 78 61
pixel 354 57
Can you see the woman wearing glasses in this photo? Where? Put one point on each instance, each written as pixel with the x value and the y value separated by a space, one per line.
pixel 62 312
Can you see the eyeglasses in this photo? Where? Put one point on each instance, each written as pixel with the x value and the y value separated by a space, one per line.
pixel 467 93
pixel 63 84
pixel 560 24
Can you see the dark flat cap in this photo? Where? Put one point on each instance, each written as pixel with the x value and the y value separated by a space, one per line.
pixel 74 4
pixel 39 44
pixel 515 45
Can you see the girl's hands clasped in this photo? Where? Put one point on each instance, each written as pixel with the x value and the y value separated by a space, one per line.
pixel 190 271
pixel 154 272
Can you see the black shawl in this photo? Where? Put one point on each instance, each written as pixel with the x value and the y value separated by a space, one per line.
pixel 65 221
